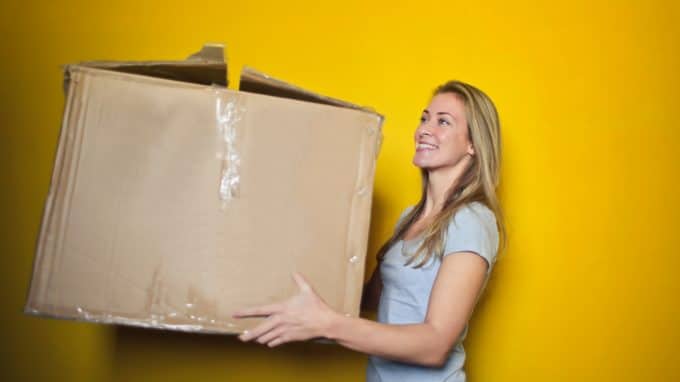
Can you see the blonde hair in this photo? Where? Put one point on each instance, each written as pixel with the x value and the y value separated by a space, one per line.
pixel 477 184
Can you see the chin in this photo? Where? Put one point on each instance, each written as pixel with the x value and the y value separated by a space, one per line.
pixel 421 164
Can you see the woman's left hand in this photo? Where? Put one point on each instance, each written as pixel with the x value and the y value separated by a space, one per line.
pixel 301 317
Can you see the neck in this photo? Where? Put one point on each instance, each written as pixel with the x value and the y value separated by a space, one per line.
pixel 440 182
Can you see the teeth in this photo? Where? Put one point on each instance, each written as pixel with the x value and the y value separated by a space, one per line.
pixel 426 146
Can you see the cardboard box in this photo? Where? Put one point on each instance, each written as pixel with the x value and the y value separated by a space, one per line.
pixel 175 201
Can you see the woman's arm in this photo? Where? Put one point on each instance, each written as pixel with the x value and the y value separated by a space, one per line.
pixel 307 316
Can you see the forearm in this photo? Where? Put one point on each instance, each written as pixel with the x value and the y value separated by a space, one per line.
pixel 414 343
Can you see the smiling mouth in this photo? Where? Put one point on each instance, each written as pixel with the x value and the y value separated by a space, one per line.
pixel 425 147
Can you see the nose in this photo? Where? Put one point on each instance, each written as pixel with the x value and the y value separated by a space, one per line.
pixel 423 131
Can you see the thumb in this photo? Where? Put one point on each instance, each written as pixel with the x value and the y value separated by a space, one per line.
pixel 301 282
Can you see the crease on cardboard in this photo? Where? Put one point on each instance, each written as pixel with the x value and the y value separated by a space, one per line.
pixel 57 217
pixel 157 313
pixel 154 293
pixel 229 110
pixel 357 240
pixel 56 209
pixel 60 219
pixel 39 285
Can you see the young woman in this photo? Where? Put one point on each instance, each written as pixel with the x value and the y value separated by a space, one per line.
pixel 435 266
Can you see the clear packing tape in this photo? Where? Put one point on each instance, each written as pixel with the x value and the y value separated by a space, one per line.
pixel 153 321
pixel 229 110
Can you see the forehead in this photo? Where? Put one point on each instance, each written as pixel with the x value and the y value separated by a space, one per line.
pixel 447 103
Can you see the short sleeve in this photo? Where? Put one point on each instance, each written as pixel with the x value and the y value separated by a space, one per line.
pixel 473 229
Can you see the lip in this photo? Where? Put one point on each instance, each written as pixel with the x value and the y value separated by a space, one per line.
pixel 426 146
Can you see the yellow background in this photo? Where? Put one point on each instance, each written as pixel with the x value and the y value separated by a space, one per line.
pixel 587 92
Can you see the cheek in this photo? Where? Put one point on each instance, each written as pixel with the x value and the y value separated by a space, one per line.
pixel 455 145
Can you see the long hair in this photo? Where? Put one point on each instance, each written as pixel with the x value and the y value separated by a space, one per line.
pixel 477 184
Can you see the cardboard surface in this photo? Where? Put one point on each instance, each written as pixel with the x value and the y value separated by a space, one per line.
pixel 135 230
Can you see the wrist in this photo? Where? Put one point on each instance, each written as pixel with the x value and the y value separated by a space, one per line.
pixel 330 328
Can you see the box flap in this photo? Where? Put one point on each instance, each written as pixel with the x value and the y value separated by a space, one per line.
pixel 205 67
pixel 254 81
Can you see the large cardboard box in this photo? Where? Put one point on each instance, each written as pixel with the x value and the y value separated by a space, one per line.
pixel 175 201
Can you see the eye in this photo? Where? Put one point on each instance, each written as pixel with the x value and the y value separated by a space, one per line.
pixel 423 118
pixel 444 122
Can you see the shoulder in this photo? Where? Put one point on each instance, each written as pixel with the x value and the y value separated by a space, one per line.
pixel 473 229
pixel 474 213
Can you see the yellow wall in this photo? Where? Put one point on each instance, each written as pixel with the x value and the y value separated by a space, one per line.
pixel 587 94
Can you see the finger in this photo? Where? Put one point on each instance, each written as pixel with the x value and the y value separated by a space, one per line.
pixel 301 282
pixel 284 338
pixel 258 311
pixel 260 329
pixel 277 341
pixel 271 335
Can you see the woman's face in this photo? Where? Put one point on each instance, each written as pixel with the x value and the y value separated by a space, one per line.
pixel 442 138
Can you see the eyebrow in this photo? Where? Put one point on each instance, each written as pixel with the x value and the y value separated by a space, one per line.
pixel 440 112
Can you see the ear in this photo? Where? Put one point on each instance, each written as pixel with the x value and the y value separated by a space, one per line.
pixel 471 150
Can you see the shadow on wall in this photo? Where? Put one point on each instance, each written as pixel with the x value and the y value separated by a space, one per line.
pixel 144 354
pixel 493 288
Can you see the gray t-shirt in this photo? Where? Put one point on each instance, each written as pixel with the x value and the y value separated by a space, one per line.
pixel 406 292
